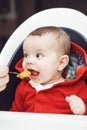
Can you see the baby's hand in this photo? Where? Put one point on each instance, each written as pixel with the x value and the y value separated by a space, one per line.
pixel 4 77
pixel 76 104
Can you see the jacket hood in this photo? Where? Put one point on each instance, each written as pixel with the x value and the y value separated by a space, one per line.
pixel 77 67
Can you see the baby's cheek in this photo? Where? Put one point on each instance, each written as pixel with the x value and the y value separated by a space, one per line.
pixel 23 64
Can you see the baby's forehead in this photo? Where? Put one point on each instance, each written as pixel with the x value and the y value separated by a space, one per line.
pixel 46 40
pixel 46 35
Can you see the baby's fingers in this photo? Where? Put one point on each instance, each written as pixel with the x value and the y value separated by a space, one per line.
pixel 70 98
pixel 76 104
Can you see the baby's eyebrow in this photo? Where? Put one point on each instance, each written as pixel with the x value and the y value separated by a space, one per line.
pixel 40 50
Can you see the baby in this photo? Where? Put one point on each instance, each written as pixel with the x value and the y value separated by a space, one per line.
pixel 46 55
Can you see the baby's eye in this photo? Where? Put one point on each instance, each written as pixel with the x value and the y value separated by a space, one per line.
pixel 39 55
pixel 25 55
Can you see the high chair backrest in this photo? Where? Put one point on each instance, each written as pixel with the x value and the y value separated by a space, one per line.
pixel 72 21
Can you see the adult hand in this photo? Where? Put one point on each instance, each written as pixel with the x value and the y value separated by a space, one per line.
pixel 4 77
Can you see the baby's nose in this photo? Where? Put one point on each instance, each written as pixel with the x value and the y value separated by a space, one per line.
pixel 30 60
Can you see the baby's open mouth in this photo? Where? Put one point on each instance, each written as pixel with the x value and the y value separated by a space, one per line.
pixel 34 72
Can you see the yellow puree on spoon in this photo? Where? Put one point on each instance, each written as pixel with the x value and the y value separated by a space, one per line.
pixel 24 74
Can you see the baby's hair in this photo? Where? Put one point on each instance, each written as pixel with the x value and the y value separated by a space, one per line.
pixel 61 36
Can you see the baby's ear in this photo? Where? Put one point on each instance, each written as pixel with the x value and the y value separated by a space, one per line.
pixel 63 61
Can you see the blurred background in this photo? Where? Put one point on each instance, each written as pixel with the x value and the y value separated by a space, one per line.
pixel 14 12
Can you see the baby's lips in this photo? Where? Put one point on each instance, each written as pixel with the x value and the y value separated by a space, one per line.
pixel 34 72
pixel 24 74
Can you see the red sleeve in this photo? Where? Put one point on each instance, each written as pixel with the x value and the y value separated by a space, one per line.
pixel 86 109
pixel 18 104
pixel 84 94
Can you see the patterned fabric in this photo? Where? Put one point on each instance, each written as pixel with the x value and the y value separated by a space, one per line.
pixel 76 60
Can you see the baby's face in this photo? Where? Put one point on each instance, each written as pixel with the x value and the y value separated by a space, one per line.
pixel 41 58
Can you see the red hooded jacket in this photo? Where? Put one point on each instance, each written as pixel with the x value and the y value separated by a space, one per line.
pixel 52 100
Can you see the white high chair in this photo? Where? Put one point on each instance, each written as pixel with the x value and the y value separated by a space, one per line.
pixel 75 24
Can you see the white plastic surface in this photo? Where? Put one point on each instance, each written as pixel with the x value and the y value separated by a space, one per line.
pixel 33 121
